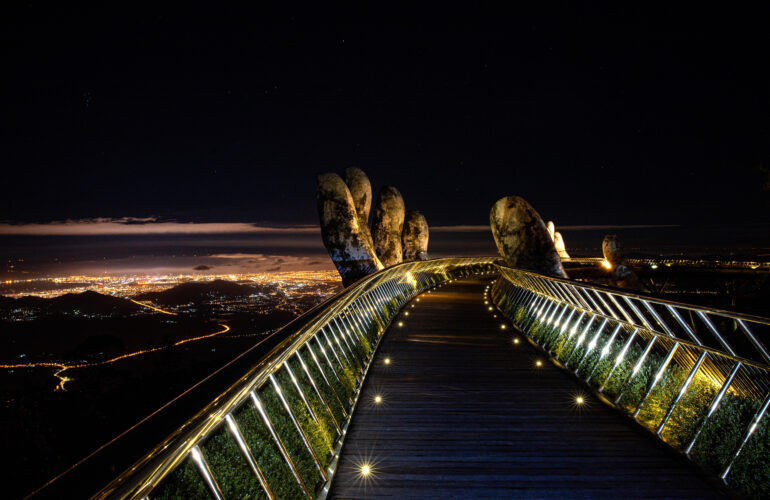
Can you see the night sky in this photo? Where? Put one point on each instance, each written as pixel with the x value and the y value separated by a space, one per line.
pixel 596 116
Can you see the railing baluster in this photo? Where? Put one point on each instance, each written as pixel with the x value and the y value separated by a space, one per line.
pixel 246 452
pixel 637 367
pixel 658 375
pixel 618 359
pixel 300 430
pixel 749 431
pixel 714 405
pixel 591 344
pixel 301 393
pixel 205 472
pixel 323 375
pixel 318 392
pixel 281 448
pixel 604 351
pixel 681 392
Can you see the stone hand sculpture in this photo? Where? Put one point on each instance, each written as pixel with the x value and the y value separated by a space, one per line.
pixel 558 240
pixel 622 274
pixel 611 249
pixel 551 229
pixel 415 236
pixel 387 225
pixel 361 191
pixel 343 235
pixel 522 237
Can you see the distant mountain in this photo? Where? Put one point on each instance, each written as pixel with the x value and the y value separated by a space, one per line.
pixel 198 291
pixel 88 302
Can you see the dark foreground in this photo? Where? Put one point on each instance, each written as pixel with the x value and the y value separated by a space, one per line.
pixel 465 413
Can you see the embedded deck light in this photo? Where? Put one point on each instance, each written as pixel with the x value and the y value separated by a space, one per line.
pixel 387 361
pixel 579 400
pixel 538 363
pixel 378 399
pixel 366 469
pixel 516 341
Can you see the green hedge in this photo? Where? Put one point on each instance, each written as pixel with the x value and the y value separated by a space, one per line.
pixel 721 434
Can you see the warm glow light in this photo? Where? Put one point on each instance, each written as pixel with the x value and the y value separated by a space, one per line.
pixel 378 399
pixel 366 470
pixel 490 308
pixel 400 323
pixel 579 400
pixel 387 361
pixel 502 327
pixel 538 363
pixel 515 341
pixel 606 264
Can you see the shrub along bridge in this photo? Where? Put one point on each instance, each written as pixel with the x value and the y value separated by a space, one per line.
pixel 457 377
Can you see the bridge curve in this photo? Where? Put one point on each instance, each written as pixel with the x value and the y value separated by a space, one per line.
pixel 466 412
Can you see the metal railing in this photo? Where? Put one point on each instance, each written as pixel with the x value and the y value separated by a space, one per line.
pixel 278 430
pixel 698 378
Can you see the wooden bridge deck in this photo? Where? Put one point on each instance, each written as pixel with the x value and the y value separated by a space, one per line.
pixel 466 413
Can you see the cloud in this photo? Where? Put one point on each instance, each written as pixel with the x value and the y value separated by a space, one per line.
pixel 146 225
pixel 481 229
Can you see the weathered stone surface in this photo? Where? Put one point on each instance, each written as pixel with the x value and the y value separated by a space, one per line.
pixel 611 249
pixel 622 275
pixel 341 232
pixel 522 238
pixel 625 277
pixel 415 236
pixel 551 229
pixel 387 225
pixel 558 242
pixel 361 191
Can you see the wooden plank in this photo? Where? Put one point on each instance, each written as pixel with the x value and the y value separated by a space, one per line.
pixel 466 413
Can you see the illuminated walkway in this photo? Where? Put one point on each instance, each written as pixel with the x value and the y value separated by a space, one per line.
pixel 466 412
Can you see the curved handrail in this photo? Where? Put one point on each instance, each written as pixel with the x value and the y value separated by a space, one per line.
pixel 676 374
pixel 657 314
pixel 311 364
